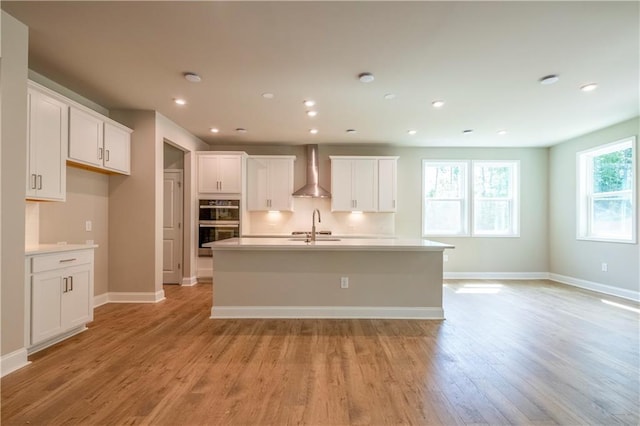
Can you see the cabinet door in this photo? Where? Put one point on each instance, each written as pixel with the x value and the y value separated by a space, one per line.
pixel 46 314
pixel 230 174
pixel 76 303
pixel 208 174
pixel 387 185
pixel 47 132
pixel 341 185
pixel 257 183
pixel 365 185
pixel 117 149
pixel 85 138
pixel 280 184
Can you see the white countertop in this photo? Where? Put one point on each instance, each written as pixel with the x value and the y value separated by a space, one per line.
pixel 56 248
pixel 325 244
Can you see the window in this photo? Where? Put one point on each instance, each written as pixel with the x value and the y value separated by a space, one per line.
pixel 445 198
pixel 481 203
pixel 606 192
pixel 495 207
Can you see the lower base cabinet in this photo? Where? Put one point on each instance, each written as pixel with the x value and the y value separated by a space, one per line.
pixel 60 287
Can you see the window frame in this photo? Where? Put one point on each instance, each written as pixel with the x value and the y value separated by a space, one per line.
pixel 585 194
pixel 469 199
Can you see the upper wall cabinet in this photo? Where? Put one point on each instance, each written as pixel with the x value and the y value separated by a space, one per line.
pixel 98 142
pixel 46 146
pixel 270 182
pixel 220 173
pixel 366 184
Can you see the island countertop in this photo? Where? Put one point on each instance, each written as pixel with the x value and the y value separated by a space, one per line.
pixel 329 244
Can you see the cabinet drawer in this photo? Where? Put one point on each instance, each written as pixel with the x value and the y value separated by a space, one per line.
pixel 48 262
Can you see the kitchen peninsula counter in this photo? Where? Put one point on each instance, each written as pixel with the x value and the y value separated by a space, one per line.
pixel 328 278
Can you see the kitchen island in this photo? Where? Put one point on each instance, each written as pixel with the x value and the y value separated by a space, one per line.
pixel 328 278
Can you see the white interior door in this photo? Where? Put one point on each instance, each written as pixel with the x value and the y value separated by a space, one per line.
pixel 172 227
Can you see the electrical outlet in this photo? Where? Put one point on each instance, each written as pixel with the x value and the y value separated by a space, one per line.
pixel 445 257
pixel 344 282
pixel 605 267
pixel 87 226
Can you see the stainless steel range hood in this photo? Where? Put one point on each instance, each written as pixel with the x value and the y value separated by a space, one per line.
pixel 312 189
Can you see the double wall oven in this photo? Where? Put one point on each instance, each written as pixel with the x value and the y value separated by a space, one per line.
pixel 218 220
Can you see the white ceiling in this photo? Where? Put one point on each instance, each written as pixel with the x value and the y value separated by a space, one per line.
pixel 483 59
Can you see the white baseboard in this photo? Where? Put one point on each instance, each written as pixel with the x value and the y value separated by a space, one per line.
pixel 101 299
pixel 326 312
pixel 496 275
pixel 136 297
pixel 600 288
pixel 13 361
pixel 189 281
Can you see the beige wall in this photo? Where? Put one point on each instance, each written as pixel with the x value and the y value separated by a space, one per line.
pixel 173 157
pixel 132 210
pixel 87 199
pixel 13 89
pixel 525 254
pixel 578 258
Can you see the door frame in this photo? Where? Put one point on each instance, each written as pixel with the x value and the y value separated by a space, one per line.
pixel 181 237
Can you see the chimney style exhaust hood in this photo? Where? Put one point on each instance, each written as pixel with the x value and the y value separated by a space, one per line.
pixel 312 189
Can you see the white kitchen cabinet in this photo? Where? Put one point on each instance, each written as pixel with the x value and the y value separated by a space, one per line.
pixel 220 173
pixel 97 142
pixel 46 146
pixel 387 184
pixel 59 295
pixel 365 184
pixel 270 183
pixel 354 184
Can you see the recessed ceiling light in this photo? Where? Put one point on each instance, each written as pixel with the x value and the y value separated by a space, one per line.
pixel 312 113
pixel 502 132
pixel 589 87
pixel 389 96
pixel 192 77
pixel 351 131
pixel 366 77
pixel 214 130
pixel 412 132
pixel 180 101
pixel 309 103
pixel 437 104
pixel 549 79
pixel 313 131
pixel 241 130
pixel 467 131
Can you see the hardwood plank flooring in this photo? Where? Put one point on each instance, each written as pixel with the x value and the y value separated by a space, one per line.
pixel 509 352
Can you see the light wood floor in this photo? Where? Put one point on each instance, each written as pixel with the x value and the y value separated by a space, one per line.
pixel 532 353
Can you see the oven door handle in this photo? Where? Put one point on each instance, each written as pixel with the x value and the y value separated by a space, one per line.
pixel 218 226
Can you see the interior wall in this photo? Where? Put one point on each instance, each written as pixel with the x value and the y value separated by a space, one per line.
pixel 527 253
pixel 132 210
pixel 580 259
pixel 13 135
pixel 87 200
pixel 173 158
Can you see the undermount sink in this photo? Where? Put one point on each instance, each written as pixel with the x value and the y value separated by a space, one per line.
pixel 317 239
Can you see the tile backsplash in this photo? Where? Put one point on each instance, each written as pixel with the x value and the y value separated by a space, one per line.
pixel 342 223
pixel 32 223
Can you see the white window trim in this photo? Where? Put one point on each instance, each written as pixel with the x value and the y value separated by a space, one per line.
pixel 582 201
pixel 469 200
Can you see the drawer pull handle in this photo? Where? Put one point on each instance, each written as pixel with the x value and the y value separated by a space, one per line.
pixel 68 260
pixel 71 283
pixel 65 281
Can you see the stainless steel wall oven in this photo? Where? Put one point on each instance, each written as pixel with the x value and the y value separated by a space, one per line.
pixel 218 220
